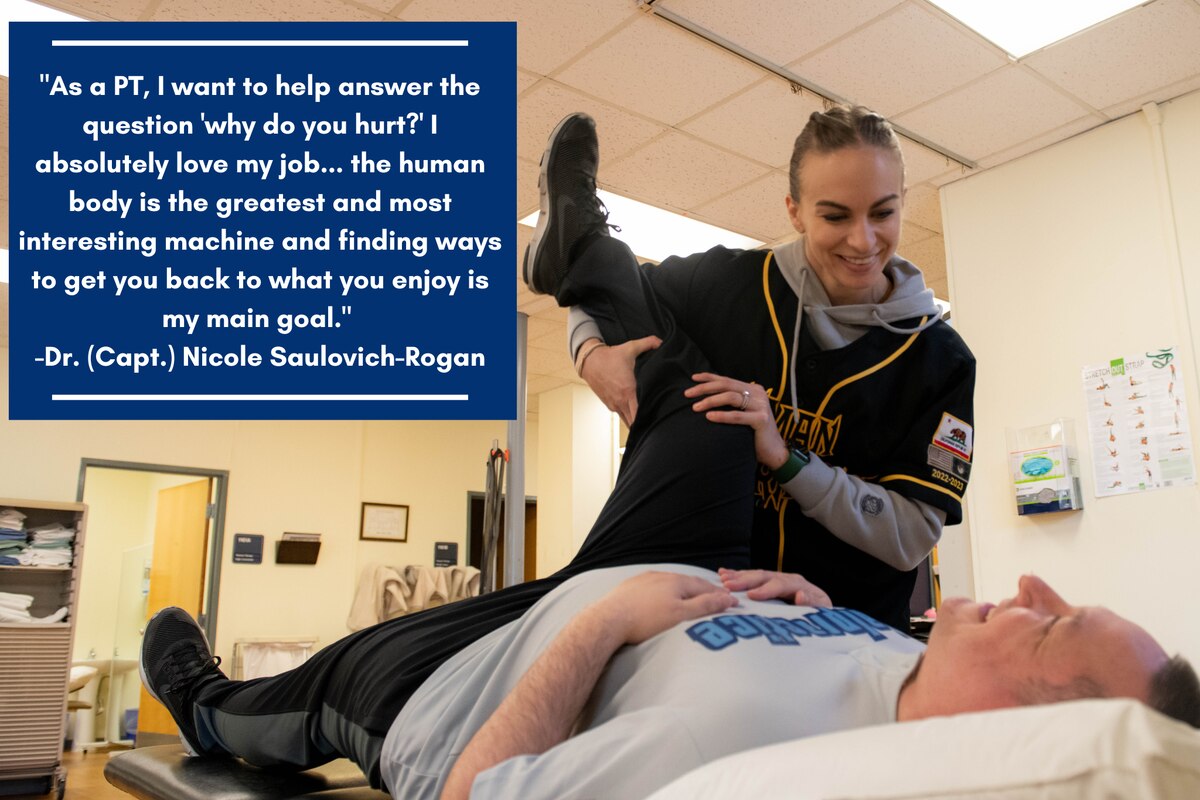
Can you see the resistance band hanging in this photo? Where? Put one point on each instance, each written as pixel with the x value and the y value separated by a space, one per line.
pixel 494 491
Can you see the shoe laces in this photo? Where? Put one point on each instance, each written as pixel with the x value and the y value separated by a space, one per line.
pixel 188 665
pixel 595 210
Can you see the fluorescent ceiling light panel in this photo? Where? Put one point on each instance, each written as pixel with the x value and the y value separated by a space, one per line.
pixel 22 11
pixel 654 234
pixel 1022 26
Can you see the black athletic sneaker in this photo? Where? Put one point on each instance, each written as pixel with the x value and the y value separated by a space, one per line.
pixel 570 209
pixel 175 662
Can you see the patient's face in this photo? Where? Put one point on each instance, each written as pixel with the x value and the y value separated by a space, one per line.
pixel 989 652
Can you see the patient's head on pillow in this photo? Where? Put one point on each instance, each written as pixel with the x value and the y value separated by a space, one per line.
pixel 1175 691
pixel 1037 648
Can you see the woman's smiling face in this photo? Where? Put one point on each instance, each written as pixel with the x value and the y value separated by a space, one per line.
pixel 849 213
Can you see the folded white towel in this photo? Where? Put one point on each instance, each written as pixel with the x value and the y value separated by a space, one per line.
pixel 13 600
pixel 24 617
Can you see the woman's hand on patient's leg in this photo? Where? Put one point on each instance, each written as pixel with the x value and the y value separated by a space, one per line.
pixel 761 584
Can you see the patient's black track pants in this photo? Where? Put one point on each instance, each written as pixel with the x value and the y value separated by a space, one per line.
pixel 684 495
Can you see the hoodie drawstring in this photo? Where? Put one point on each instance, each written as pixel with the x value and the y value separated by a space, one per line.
pixel 796 347
pixel 929 321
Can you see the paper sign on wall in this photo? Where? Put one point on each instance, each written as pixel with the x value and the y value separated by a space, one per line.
pixel 1138 423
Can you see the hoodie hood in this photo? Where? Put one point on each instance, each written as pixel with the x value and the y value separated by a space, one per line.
pixel 837 326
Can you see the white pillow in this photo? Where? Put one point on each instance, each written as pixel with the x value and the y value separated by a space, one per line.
pixel 1080 750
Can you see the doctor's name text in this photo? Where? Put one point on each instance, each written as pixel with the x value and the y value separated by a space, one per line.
pixel 104 357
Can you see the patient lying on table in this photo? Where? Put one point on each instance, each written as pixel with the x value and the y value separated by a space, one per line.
pixel 637 661
pixel 557 705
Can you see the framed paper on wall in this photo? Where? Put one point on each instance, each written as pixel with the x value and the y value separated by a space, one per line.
pixel 384 522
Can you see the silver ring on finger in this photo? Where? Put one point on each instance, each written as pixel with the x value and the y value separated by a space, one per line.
pixel 745 400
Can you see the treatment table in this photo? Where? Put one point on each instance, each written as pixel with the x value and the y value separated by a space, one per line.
pixel 168 773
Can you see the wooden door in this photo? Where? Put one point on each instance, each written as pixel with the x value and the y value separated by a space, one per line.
pixel 530 541
pixel 475 518
pixel 177 573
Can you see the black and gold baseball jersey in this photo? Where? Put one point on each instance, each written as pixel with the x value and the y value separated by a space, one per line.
pixel 890 409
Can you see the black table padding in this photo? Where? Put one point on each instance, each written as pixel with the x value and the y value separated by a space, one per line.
pixel 167 773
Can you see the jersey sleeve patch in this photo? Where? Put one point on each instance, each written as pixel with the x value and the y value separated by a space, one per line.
pixel 955 436
pixel 948 462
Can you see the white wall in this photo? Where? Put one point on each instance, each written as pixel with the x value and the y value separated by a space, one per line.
pixel 577 470
pixel 283 476
pixel 119 523
pixel 1065 258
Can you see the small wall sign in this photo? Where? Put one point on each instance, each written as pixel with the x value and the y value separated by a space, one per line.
pixel 247 548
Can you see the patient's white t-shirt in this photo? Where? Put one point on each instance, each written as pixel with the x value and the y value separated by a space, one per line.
pixel 753 675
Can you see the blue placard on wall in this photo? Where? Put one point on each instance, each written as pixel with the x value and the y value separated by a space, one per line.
pixel 247 548
pixel 263 220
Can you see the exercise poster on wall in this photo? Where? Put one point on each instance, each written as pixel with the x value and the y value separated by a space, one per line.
pixel 1138 423
pixel 263 221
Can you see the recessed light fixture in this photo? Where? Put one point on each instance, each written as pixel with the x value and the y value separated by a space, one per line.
pixel 1022 26
pixel 654 234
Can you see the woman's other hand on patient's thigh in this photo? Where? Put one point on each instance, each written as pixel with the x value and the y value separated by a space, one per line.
pixel 761 584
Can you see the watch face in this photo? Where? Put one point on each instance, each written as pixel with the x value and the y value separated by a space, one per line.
pixel 802 455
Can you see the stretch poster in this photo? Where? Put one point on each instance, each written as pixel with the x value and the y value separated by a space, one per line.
pixel 1138 423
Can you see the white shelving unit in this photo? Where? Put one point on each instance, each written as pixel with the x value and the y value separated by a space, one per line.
pixel 35 660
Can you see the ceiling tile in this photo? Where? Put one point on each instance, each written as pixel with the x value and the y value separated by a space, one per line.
pixel 526 79
pixel 548 34
pixel 1157 96
pixel 551 341
pixel 546 362
pixel 532 303
pixel 923 206
pixel 539 327
pixel 781 31
pixel 262 10
pixel 527 188
pixel 911 233
pixel 930 255
pixel 543 108
pixel 1044 140
pixel 756 209
pixel 678 172
pixel 104 9
pixel 659 71
pixel 1002 109
pixel 556 315
pixel 1155 45
pixel 921 163
pixel 4 106
pixel 875 66
pixel 760 123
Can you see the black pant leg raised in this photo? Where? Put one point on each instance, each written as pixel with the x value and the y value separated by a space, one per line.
pixel 684 495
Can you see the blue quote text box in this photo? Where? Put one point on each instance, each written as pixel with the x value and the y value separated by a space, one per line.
pixel 262 220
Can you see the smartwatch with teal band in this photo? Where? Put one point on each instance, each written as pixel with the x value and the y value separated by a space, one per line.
pixel 797 460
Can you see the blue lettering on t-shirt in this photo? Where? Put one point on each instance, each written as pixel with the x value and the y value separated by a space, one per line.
pixel 717 633
pixel 710 634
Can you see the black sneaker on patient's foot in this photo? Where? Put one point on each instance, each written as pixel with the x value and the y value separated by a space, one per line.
pixel 570 210
pixel 176 661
